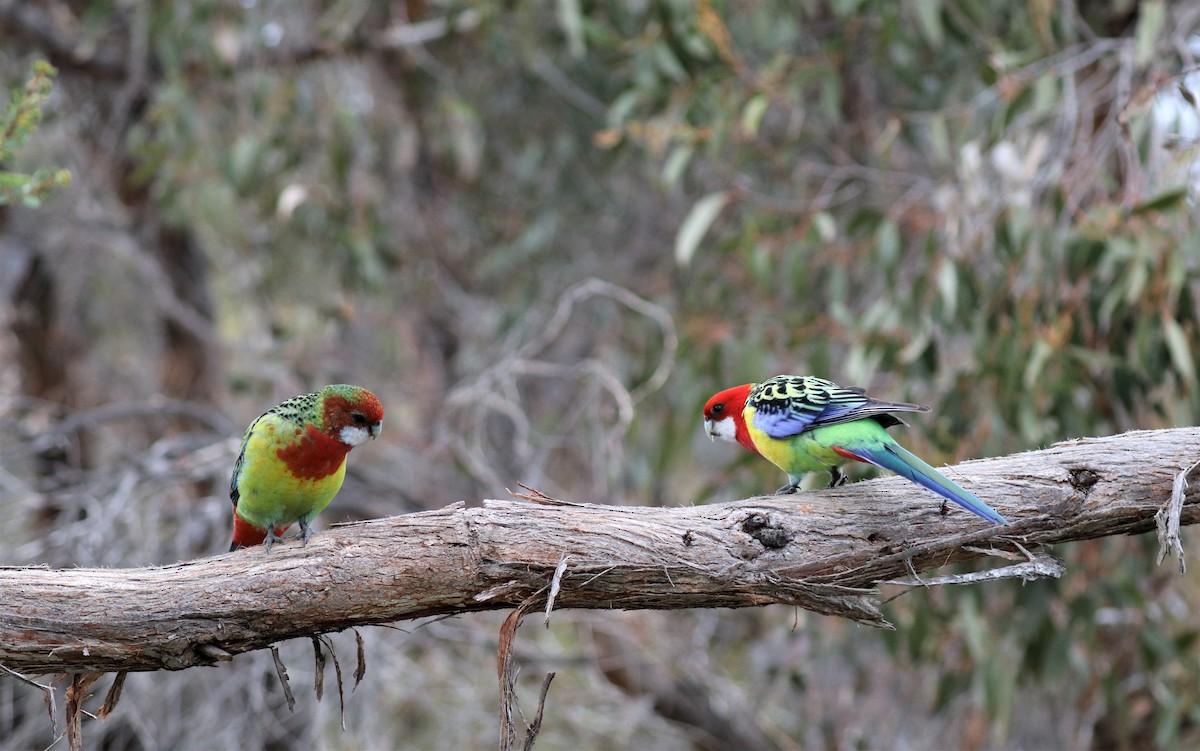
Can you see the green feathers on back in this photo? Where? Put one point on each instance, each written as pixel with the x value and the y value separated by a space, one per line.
pixel 788 405
pixel 300 410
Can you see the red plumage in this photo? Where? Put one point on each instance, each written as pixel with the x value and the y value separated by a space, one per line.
pixel 247 535
pixel 730 403
pixel 318 454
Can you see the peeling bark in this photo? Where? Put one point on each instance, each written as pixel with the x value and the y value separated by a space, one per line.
pixel 825 551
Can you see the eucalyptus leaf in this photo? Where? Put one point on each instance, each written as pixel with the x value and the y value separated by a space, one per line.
pixel 696 224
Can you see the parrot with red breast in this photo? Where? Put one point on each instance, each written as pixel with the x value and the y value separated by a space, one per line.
pixel 293 460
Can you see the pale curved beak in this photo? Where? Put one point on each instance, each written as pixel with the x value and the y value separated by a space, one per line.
pixel 710 427
pixel 375 428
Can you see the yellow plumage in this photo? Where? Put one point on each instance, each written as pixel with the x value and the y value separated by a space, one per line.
pixel 272 494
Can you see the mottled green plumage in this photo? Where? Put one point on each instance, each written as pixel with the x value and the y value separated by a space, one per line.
pixel 807 424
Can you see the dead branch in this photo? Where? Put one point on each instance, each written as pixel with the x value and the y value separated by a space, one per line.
pixel 826 551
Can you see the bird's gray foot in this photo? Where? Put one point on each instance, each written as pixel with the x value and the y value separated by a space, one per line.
pixel 791 487
pixel 272 538
pixel 305 530
pixel 837 478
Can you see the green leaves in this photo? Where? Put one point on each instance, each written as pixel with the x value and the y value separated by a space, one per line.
pixel 19 122
pixel 1164 201
pixel 1152 16
pixel 929 20
pixel 1180 349
pixel 695 225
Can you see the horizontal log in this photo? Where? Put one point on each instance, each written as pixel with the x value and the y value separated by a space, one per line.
pixel 825 550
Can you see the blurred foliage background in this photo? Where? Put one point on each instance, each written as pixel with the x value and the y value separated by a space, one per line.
pixel 544 234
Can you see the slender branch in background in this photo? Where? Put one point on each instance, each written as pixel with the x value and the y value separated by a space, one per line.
pixel 151 409
pixel 528 352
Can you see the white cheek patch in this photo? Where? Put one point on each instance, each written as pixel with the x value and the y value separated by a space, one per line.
pixel 352 435
pixel 723 429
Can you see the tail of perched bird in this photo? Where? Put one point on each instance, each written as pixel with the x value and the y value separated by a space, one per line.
pixel 894 457
pixel 246 535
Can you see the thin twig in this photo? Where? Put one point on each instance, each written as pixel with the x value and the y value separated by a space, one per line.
pixel 77 694
pixel 1039 567
pixel 535 727
pixel 337 672
pixel 48 691
pixel 507 674
pixel 281 671
pixel 555 583
pixel 360 669
pixel 319 670
pixel 1167 519
pixel 113 695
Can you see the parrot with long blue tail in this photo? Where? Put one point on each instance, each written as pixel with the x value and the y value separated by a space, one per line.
pixel 807 424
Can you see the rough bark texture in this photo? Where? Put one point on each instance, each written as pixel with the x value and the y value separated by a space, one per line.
pixel 822 550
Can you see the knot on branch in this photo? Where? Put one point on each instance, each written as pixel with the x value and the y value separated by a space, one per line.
pixel 770 536
pixel 1082 479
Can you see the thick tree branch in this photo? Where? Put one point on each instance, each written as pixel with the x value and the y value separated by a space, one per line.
pixel 823 550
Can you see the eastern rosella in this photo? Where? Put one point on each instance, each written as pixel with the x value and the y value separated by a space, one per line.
pixel 293 461
pixel 807 424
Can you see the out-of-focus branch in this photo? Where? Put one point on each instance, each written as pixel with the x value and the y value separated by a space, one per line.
pixel 825 551
pixel 596 385
pixel 60 38
pixel 59 34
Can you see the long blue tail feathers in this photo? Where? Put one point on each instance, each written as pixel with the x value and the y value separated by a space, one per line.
pixel 896 458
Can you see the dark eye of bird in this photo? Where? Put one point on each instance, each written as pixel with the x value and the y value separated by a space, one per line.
pixel 718 409
pixel 359 418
